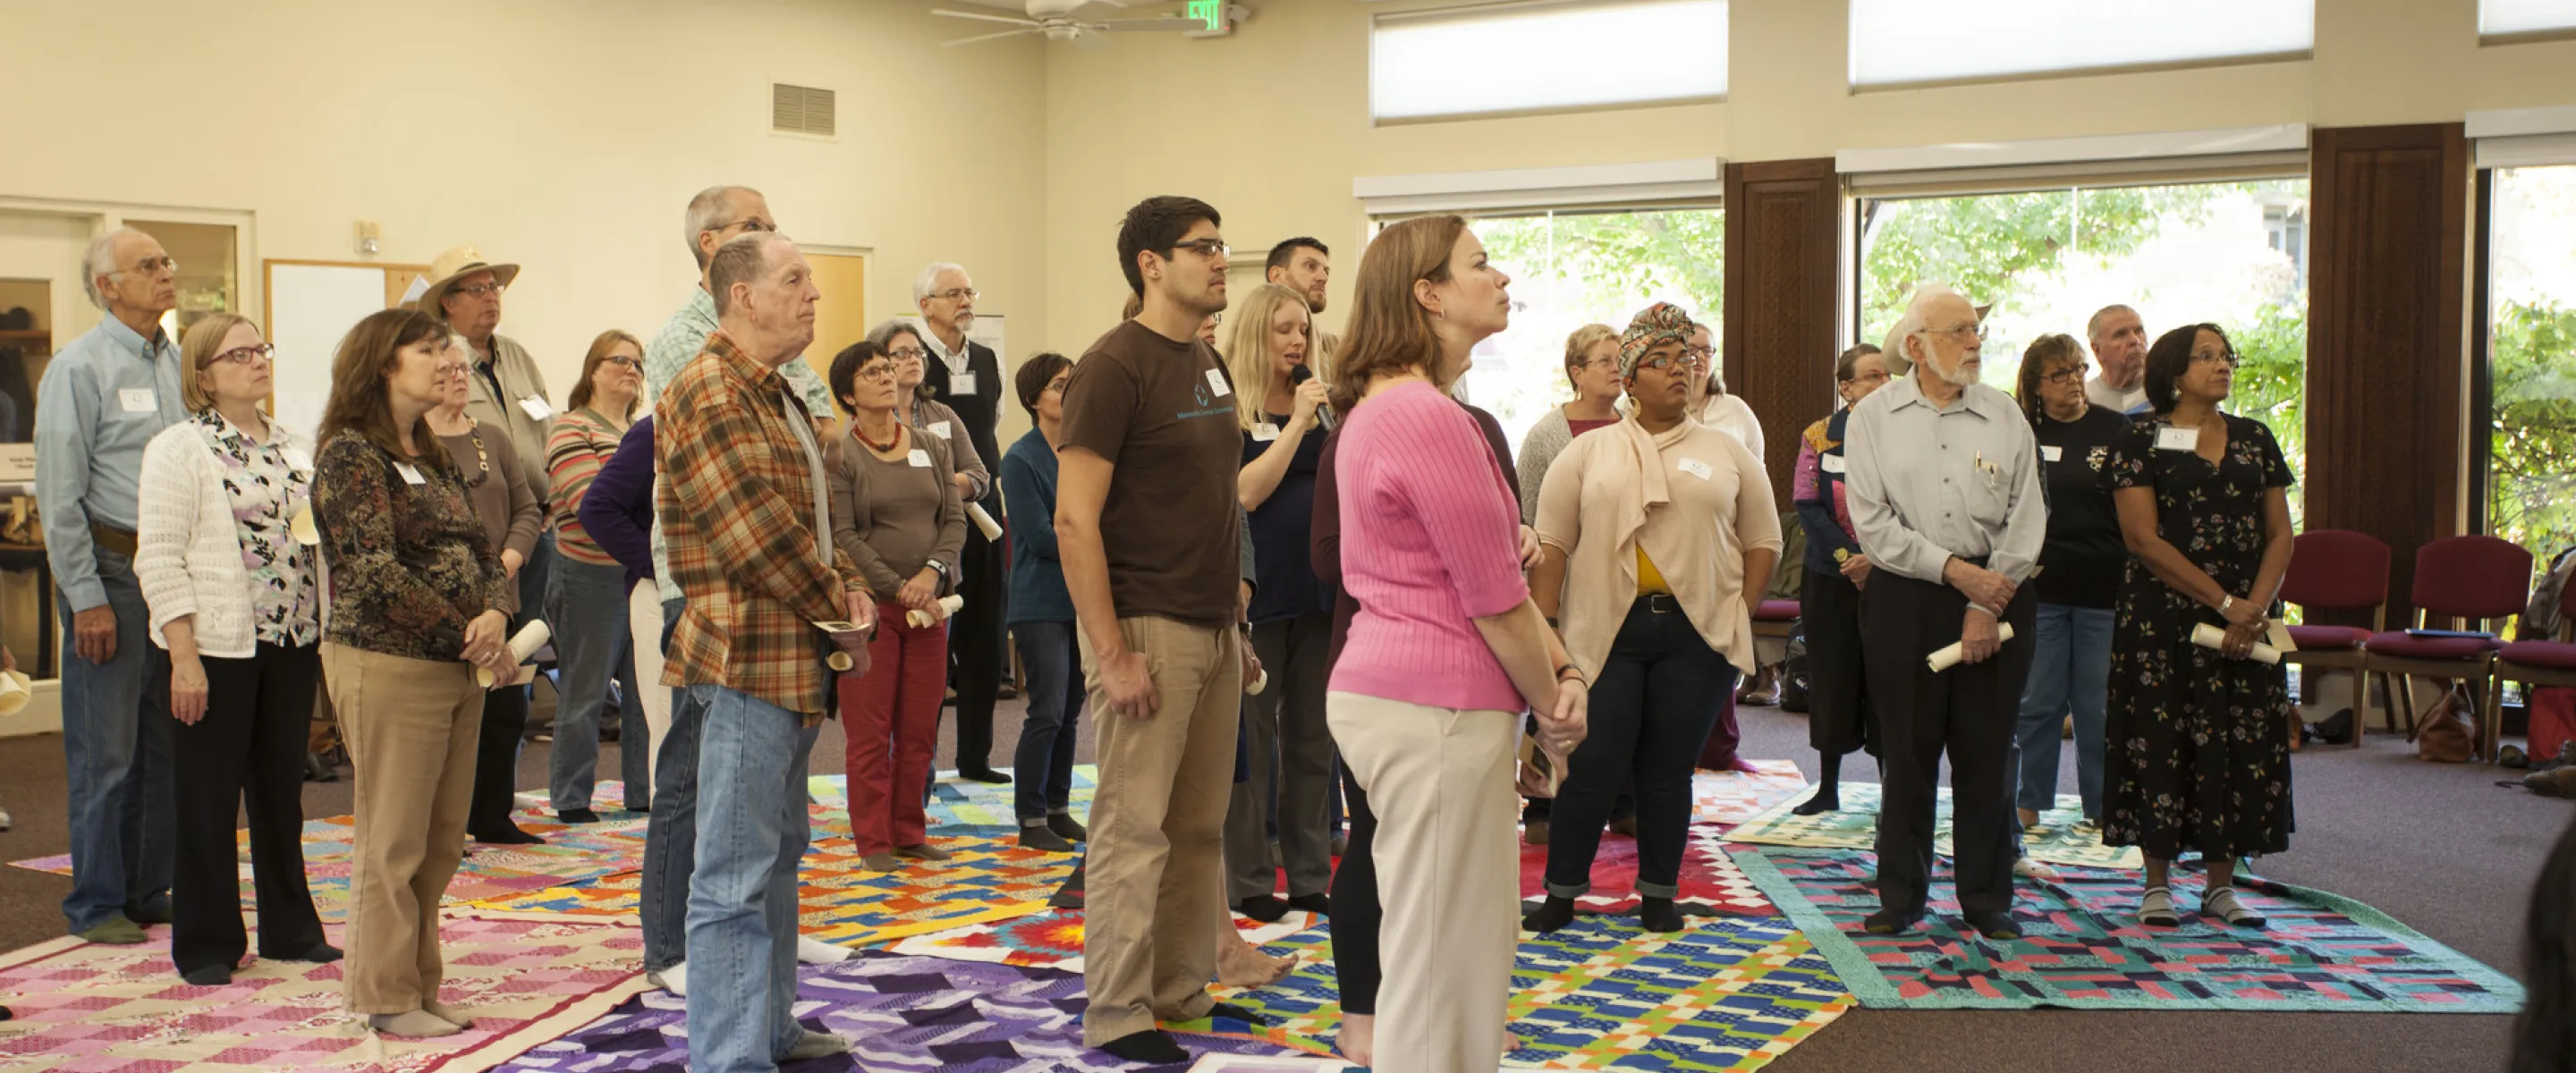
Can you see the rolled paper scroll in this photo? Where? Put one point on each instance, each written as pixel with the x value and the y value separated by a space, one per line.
pixel 523 647
pixel 2208 636
pixel 992 529
pixel 948 605
pixel 1947 656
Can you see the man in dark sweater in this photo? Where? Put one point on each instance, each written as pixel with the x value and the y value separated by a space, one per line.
pixel 967 376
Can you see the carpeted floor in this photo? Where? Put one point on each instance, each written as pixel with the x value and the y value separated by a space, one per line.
pixel 2437 847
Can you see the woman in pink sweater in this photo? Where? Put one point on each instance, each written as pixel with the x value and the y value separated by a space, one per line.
pixel 1447 650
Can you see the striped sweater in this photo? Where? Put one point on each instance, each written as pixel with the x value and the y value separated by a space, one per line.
pixel 582 441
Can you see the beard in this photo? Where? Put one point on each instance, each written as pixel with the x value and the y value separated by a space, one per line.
pixel 1957 375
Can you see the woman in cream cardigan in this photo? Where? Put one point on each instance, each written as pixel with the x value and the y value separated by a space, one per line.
pixel 238 601
pixel 1662 523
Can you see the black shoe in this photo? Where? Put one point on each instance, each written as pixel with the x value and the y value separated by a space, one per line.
pixel 1555 913
pixel 1993 925
pixel 1265 908
pixel 1043 840
pixel 1624 825
pixel 1818 805
pixel 317 771
pixel 152 910
pixel 1067 828
pixel 208 976
pixel 1319 904
pixel 321 954
pixel 1149 1047
pixel 1069 896
pixel 577 815
pixel 984 774
pixel 1891 922
pixel 511 835
pixel 1007 692
pixel 1659 914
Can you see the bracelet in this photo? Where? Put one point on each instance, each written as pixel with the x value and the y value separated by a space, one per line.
pixel 1570 673
pixel 2226 600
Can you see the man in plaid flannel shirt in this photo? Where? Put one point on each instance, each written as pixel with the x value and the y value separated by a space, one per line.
pixel 747 528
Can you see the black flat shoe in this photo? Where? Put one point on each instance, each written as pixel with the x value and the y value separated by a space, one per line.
pixel 1265 909
pixel 1891 922
pixel 1993 925
pixel 208 976
pixel 1067 828
pixel 984 774
pixel 514 836
pixel 321 954
pixel 317 771
pixel 577 815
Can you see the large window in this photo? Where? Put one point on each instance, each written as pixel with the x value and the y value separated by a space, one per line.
pixel 2496 17
pixel 1519 57
pixel 1572 269
pixel 2531 358
pixel 1896 42
pixel 2231 254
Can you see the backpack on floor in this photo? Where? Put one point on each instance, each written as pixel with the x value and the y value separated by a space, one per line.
pixel 2446 734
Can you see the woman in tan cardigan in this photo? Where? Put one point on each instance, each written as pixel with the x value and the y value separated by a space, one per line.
pixel 1648 531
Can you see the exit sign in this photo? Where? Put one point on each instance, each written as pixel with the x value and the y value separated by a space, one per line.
pixel 1208 13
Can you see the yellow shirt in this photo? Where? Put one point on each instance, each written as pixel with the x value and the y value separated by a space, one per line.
pixel 1649 579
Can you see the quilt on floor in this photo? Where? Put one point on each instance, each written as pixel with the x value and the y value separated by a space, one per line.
pixel 1725 994
pixel 1728 798
pixel 1053 939
pixel 2085 949
pixel 122 1009
pixel 1710 883
pixel 2054 839
pixel 904 1013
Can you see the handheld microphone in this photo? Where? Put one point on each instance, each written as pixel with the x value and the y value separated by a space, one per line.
pixel 1297 377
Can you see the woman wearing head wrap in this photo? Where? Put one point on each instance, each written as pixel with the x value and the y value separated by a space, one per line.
pixel 1658 533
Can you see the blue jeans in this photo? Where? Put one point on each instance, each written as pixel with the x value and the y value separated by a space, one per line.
pixel 742 902
pixel 671 840
pixel 1658 697
pixel 118 755
pixel 2070 670
pixel 1043 764
pixel 587 606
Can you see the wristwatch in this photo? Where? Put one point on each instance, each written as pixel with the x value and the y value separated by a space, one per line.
pixel 936 565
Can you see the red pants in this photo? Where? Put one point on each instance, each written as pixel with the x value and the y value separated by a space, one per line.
pixel 891 717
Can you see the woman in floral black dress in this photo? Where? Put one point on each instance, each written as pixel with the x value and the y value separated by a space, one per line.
pixel 2198 738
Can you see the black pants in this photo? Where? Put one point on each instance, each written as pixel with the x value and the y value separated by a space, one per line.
pixel 975 642
pixel 1969 711
pixel 496 761
pixel 1659 694
pixel 1357 914
pixel 248 751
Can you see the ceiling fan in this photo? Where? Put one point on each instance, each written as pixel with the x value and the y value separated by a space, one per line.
pixel 1056 19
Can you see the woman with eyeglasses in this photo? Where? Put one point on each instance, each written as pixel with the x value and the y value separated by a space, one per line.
pixel 586 597
pixel 1656 537
pixel 237 601
pixel 496 489
pixel 2079 578
pixel 902 343
pixel 1840 720
pixel 2198 738
pixel 900 517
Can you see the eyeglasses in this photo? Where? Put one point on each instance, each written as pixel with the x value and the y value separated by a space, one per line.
pixel 1665 363
pixel 478 290
pixel 747 224
pixel 621 359
pixel 2068 374
pixel 241 355
pixel 876 372
pixel 2228 356
pixel 1057 385
pixel 956 294
pixel 152 266
pixel 1215 319
pixel 1978 330
pixel 1701 353
pixel 910 353
pixel 1206 247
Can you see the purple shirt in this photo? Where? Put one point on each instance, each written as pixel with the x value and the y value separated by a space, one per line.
pixel 617 511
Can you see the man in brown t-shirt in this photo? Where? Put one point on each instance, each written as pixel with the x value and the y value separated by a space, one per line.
pixel 1148 528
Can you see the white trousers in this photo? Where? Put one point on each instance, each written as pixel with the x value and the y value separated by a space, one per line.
pixel 644 616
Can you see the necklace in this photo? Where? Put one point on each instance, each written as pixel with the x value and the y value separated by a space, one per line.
pixel 859 429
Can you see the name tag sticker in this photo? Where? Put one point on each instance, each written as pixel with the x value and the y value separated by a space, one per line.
pixel 1265 432
pixel 536 407
pixel 137 400
pixel 919 458
pixel 940 429
pixel 959 384
pixel 1217 385
pixel 2178 439
pixel 410 475
pixel 299 459
pixel 1833 463
pixel 2052 453
pixel 1697 468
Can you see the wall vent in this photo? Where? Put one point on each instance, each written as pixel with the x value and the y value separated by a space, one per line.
pixel 801 109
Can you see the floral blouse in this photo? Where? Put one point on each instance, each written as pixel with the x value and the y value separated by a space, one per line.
pixel 266 484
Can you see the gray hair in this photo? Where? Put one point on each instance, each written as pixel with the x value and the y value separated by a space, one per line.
pixel 1911 324
pixel 742 259
pixel 929 278
pixel 882 336
pixel 703 216
pixel 100 260
pixel 2093 327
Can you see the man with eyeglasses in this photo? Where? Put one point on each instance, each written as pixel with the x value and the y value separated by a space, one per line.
pixel 504 389
pixel 1943 477
pixel 104 396
pixel 967 376
pixel 2119 341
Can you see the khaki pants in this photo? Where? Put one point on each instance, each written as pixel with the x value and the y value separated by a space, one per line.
pixel 411 726
pixel 1440 782
pixel 1154 879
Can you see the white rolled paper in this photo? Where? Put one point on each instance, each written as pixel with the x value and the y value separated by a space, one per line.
pixel 992 529
pixel 1947 656
pixel 839 661
pixel 948 606
pixel 15 690
pixel 1260 681
pixel 2208 636
pixel 301 525
pixel 523 646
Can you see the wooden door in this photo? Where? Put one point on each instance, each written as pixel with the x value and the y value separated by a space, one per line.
pixel 842 317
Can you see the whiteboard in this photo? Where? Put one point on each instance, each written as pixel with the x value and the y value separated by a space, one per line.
pixel 309 308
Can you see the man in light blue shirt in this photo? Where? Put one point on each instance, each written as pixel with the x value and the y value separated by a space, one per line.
pixel 103 397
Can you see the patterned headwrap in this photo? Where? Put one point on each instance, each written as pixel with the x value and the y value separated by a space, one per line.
pixel 1657 323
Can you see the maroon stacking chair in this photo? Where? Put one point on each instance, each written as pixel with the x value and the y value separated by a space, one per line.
pixel 2473 583
pixel 2337 570
pixel 2536 663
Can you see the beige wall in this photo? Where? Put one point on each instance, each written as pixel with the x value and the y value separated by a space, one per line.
pixel 563 134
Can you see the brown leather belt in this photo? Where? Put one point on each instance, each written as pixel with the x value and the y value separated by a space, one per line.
pixel 112 539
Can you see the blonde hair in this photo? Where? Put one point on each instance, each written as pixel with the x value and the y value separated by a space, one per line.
pixel 1582 342
pixel 1247 348
pixel 1389 331
pixel 197 349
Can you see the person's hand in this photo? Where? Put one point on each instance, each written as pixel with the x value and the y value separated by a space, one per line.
pixel 487 642
pixel 1529 546
pixel 862 607
pixel 511 561
pixel 1564 725
pixel 187 689
pixel 508 676
pixel 1532 780
pixel 1980 585
pixel 8 659
pixel 1301 410
pixel 2244 612
pixel 1856 570
pixel 965 486
pixel 1130 687
pixel 1251 661
pixel 920 592
pixel 94 633
pixel 2240 640
pixel 1978 638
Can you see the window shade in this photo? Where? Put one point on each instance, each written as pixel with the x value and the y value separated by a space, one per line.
pixel 2525 16
pixel 1530 57
pixel 1898 42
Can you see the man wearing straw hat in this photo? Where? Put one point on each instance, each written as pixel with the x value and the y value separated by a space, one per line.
pixel 505 389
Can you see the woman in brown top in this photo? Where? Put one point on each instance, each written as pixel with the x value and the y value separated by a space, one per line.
pixel 496 486
pixel 419 601
pixel 899 514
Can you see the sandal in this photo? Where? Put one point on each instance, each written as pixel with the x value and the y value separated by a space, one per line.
pixel 2156 910
pixel 2221 902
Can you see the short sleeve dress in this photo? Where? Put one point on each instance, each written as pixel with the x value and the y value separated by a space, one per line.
pixel 2199 744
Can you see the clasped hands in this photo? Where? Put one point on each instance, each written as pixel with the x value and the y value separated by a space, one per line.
pixel 1988 594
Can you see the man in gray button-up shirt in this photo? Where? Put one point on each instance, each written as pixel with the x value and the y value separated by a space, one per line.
pixel 104 396
pixel 1943 475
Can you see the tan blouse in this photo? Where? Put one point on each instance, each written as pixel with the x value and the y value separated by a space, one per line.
pixel 1692 499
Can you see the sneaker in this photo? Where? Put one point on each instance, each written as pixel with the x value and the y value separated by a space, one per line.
pixel 813 1045
pixel 2221 902
pixel 2026 868
pixel 674 979
pixel 813 951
